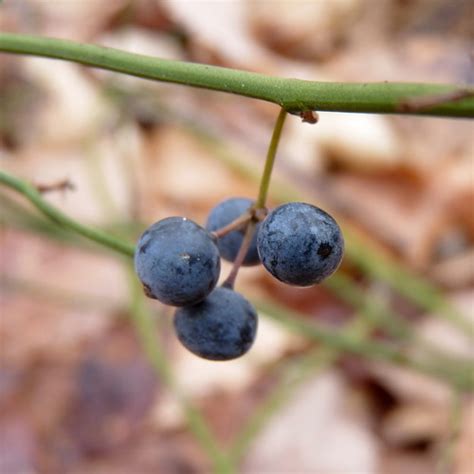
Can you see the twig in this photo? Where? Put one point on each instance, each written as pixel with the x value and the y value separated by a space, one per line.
pixel 236 224
pixel 270 160
pixel 244 247
pixel 35 197
pixel 63 185
pixel 294 95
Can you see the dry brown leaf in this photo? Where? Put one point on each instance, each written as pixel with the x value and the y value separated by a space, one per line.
pixel 412 386
pixel 141 41
pixel 396 461
pixel 301 29
pixel 114 387
pixel 310 433
pixel 71 20
pixel 464 449
pixel 73 105
pixel 42 327
pixel 456 271
pixel 18 446
pixel 220 26
pixel 362 142
pixel 414 423
pixel 444 335
pixel 179 176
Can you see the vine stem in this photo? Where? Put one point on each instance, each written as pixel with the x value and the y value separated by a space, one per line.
pixel 294 95
pixel 35 197
pixel 376 309
pixel 459 377
pixel 244 247
pixel 270 160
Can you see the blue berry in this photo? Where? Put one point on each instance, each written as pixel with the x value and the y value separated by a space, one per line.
pixel 223 214
pixel 300 244
pixel 177 261
pixel 221 327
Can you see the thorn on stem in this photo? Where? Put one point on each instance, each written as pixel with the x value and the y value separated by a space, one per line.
pixel 309 116
pixel 62 185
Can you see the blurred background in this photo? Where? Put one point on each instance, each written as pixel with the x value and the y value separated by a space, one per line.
pixel 368 373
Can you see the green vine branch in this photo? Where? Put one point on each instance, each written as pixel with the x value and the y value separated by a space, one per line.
pixel 35 197
pixel 294 95
pixel 375 309
pixel 460 377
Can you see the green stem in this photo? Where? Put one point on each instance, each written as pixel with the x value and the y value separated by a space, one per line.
pixel 373 308
pixel 236 224
pixel 145 329
pixel 291 94
pixel 460 377
pixel 407 284
pixel 369 306
pixel 270 160
pixel 32 194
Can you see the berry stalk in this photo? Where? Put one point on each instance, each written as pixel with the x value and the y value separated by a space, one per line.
pixel 249 231
pixel 234 225
pixel 270 160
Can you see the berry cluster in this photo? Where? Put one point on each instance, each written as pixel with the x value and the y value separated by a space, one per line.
pixel 178 263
